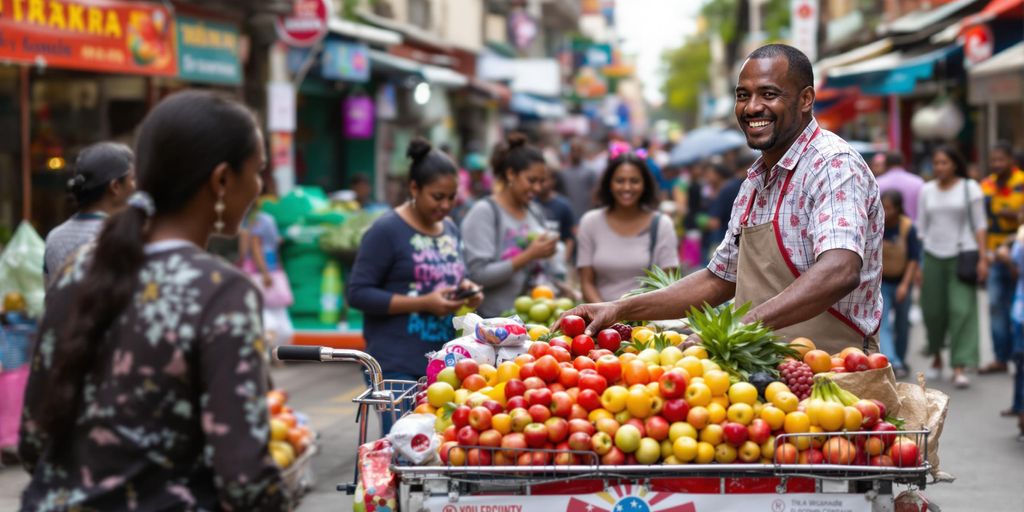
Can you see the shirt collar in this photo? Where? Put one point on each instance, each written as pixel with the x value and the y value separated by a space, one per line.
pixel 789 160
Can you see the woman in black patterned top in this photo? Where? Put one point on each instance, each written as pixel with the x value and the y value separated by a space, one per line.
pixel 147 388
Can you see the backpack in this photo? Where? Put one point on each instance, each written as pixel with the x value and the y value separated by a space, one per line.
pixel 894 254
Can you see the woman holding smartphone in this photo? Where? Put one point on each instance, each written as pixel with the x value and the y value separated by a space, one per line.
pixel 409 275
pixel 507 240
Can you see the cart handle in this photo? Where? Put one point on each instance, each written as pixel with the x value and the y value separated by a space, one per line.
pixel 328 354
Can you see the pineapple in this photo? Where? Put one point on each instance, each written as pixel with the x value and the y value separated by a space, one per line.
pixel 655 279
pixel 740 349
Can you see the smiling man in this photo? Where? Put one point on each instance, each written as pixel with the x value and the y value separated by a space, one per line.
pixel 805 237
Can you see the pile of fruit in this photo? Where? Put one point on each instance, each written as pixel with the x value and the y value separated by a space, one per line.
pixel 288 439
pixel 798 374
pixel 635 401
pixel 541 306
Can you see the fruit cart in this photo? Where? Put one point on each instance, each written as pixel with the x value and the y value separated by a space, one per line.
pixel 577 480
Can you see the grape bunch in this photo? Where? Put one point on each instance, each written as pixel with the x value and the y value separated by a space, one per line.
pixel 625 331
pixel 798 376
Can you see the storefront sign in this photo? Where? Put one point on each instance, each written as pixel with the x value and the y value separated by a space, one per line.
pixel 208 51
pixel 306 25
pixel 629 498
pixel 804 26
pixel 979 44
pixel 94 35
pixel 358 114
pixel 346 61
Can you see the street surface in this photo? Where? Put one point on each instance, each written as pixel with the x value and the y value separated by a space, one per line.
pixel 977 446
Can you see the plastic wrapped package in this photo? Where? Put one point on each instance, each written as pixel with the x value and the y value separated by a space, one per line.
pixel 500 332
pixel 377 487
pixel 456 350
pixel 413 437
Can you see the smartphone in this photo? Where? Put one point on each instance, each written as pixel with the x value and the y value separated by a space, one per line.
pixel 465 293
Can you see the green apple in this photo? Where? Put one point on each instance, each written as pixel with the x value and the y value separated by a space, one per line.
pixel 564 304
pixel 649 356
pixel 523 305
pixel 671 355
pixel 648 452
pixel 540 313
pixel 627 438
pixel 448 376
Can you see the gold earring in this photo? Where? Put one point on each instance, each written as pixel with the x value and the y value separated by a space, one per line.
pixel 219 208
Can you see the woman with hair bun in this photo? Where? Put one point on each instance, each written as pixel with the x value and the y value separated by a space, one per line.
pixel 103 180
pixel 409 275
pixel 148 384
pixel 506 234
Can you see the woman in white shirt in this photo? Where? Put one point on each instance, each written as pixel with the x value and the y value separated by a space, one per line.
pixel 951 220
pixel 627 235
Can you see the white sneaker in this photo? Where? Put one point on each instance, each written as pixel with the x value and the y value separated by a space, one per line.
pixel 933 374
pixel 961 381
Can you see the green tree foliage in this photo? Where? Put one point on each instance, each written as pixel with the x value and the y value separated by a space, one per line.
pixel 686 74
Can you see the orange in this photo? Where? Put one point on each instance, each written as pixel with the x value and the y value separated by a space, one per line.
pixel 802 346
pixel 542 292
pixel 818 360
pixel 774 416
pixel 502 422
pixel 774 388
pixel 635 372
pixel 786 401
pixel 831 416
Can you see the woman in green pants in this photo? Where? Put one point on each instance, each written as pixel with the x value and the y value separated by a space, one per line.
pixel 951 219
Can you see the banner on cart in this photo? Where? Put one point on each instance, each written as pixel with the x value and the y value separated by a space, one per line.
pixel 636 499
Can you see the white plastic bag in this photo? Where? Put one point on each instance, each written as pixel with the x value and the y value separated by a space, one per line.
pixel 413 437
pixel 500 332
pixel 21 268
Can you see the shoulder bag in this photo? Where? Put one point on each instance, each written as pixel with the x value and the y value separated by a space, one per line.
pixel 967 260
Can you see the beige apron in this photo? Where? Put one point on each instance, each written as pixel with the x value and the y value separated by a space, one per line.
pixel 765 270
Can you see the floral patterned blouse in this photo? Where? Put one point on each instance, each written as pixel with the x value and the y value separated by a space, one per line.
pixel 174 414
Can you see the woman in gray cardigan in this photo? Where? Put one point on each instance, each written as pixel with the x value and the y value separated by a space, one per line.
pixel 505 238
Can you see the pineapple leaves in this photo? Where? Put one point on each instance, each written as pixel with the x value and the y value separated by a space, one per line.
pixel 740 349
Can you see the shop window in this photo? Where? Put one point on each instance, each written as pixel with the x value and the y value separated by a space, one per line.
pixel 419 13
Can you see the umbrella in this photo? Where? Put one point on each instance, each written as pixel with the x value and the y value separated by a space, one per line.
pixel 704 143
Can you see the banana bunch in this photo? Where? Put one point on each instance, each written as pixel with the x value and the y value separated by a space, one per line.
pixel 826 389
pixel 831 408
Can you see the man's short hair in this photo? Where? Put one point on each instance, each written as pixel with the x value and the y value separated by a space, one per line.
pixel 1004 146
pixel 799 65
pixel 893 159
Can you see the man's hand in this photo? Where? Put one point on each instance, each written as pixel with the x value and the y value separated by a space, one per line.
pixel 598 316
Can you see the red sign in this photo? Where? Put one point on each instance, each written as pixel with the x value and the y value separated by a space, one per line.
pixel 306 25
pixel 95 35
pixel 978 42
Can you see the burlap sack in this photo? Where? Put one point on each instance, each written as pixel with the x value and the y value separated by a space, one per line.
pixel 878 384
pixel 922 407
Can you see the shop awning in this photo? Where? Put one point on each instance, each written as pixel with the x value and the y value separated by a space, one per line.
pixel 897 72
pixel 536 106
pixel 436 75
pixel 922 19
pixel 994 9
pixel 372 35
pixel 999 79
pixel 822 67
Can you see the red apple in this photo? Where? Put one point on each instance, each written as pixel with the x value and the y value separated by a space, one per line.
pixel 672 384
pixel 514 387
pixel 613 457
pixel 478 457
pixel 547 368
pixel 467 436
pixel 474 382
pixel 904 453
pixel 539 413
pixel 609 339
pixel 480 418
pixel 540 459
pixel 607 425
pixel 581 425
pixel 580 441
pixel 561 355
pixel 565 457
pixel 856 362
pixel 584 363
pixel 590 399
pixel 540 396
pixel 569 377
pixel 885 426
pixel 639 424
pixel 536 435
pixel 520 419
pixel 594 382
pixel 526 370
pixel 869 412
pixel 598 352
pixel 493 406
pixel 460 416
pixel 582 345
pixel 516 402
pixel 675 410
pixel 882 411
pixel 466 367
pixel 534 383
pixel 601 443
pixel 884 461
pixel 656 428
pixel 734 433
pixel 609 367
pixel 877 361
pixel 811 456
pixel 561 404
pixel 558 429
pixel 490 437
pixel 538 349
pixel 759 431
pixel 560 342
pixel 512 443
pixel 446 449
pixel 572 325
pixel 449 433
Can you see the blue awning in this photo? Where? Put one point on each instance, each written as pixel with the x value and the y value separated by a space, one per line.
pixel 898 72
pixel 537 106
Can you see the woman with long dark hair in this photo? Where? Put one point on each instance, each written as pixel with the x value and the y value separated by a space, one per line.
pixel 101 184
pixel 148 385
pixel 506 234
pixel 951 219
pixel 627 235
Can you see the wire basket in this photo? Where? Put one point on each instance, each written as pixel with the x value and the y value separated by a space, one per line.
pixel 394 398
